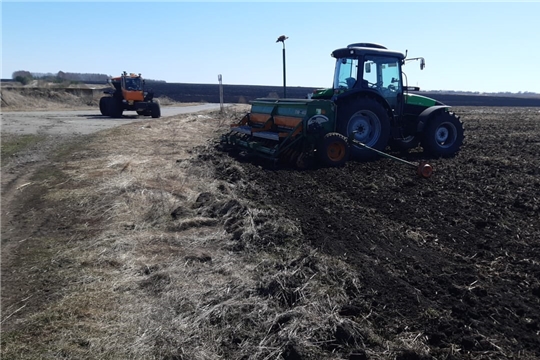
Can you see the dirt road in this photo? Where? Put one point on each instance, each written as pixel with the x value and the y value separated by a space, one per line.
pixel 37 134
pixel 80 121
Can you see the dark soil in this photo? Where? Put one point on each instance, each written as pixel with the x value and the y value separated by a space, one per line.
pixel 455 258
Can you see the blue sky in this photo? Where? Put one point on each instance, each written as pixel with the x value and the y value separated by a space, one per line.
pixel 484 46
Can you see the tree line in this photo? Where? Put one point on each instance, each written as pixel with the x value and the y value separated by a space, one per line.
pixel 25 77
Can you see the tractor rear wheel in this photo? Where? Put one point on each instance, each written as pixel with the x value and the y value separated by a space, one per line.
pixel 443 135
pixel 366 121
pixel 104 105
pixel 334 150
pixel 155 109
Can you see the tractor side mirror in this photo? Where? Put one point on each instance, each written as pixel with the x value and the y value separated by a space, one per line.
pixel 422 64
pixel 368 67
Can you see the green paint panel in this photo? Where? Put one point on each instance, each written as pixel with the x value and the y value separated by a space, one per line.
pixel 300 108
pixel 323 94
pixel 295 110
pixel 414 99
pixel 261 108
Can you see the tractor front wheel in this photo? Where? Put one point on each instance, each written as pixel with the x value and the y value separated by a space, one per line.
pixel 443 135
pixel 104 105
pixel 334 150
pixel 115 108
pixel 155 109
pixel 366 121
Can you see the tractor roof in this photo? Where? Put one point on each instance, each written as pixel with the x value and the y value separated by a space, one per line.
pixel 131 75
pixel 366 48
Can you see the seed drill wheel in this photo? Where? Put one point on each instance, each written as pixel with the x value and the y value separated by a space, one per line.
pixel 334 150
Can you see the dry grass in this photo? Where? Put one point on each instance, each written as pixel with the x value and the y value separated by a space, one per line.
pixel 57 98
pixel 45 99
pixel 159 259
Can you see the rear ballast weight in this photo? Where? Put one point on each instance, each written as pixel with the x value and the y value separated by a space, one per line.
pixel 368 109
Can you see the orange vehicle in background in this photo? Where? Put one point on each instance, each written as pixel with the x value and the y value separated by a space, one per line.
pixel 128 93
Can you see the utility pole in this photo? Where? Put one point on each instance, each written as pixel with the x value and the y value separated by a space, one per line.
pixel 282 39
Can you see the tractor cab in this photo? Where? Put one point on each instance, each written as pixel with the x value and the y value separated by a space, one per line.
pixel 132 87
pixel 369 67
pixel 379 74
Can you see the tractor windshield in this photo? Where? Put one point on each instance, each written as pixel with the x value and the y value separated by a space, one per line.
pixel 346 73
pixel 381 73
pixel 133 84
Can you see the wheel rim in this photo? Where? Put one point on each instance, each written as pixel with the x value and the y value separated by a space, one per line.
pixel 367 127
pixel 446 135
pixel 335 151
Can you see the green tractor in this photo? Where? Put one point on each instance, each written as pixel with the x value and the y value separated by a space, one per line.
pixel 368 109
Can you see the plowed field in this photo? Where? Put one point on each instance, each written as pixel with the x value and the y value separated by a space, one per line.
pixel 455 257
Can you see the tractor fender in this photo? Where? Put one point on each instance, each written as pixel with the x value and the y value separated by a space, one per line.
pixel 425 115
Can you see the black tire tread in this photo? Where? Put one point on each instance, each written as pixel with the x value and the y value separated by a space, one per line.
pixel 429 144
pixel 104 105
pixel 364 103
pixel 155 109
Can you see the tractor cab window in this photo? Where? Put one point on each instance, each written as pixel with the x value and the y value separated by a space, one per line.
pixel 346 73
pixel 133 84
pixel 383 74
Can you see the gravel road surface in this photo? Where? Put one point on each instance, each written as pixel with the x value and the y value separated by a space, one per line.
pixel 80 121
